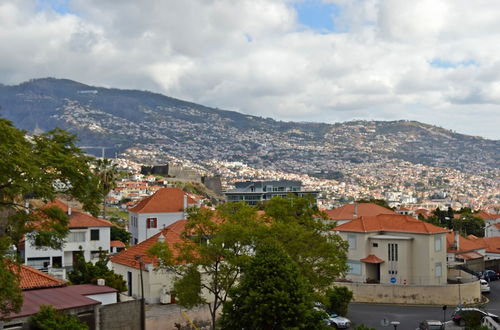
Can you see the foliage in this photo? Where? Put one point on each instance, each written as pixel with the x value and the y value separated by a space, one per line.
pixel 320 254
pixel 119 234
pixel 39 167
pixel 271 295
pixel 218 244
pixel 379 202
pixel 107 173
pixel 50 318
pixel 363 327
pixel 87 272
pixel 337 300
pixel 10 293
pixel 467 224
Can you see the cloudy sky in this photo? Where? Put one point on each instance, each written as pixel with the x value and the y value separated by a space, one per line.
pixel 435 61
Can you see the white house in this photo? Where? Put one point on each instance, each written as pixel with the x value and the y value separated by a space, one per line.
pixel 88 235
pixel 158 211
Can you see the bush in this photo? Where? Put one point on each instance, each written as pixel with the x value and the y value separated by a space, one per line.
pixel 338 299
pixel 50 318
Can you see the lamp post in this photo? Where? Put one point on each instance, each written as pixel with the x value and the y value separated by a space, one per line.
pixel 459 294
pixel 395 324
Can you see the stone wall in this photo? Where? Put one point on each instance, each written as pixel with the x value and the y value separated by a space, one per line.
pixel 121 316
pixel 447 294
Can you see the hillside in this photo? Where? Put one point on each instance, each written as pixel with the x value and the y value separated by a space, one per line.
pixel 120 119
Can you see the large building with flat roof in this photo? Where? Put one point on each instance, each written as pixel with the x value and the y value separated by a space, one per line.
pixel 253 192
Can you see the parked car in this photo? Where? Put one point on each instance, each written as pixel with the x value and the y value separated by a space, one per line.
pixel 489 275
pixel 336 321
pixel 431 325
pixel 461 313
pixel 485 287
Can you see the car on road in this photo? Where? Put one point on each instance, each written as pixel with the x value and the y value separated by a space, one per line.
pixel 463 313
pixel 337 321
pixel 489 275
pixel 485 287
pixel 431 325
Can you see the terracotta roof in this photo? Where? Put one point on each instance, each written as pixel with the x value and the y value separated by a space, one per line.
pixel 81 220
pixel 487 216
pixel 31 278
pixel 164 200
pixel 172 235
pixel 372 259
pixel 470 255
pixel 390 222
pixel 464 244
pixel 60 204
pixel 346 212
pixel 425 213
pixel 491 244
pixel 117 244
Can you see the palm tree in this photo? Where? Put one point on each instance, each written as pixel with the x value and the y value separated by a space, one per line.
pixel 106 172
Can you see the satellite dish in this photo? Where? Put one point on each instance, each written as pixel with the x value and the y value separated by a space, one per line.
pixel 385 322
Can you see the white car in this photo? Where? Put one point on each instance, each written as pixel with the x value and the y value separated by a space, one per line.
pixel 338 321
pixel 485 287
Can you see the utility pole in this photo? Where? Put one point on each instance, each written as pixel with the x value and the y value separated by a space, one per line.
pixel 143 312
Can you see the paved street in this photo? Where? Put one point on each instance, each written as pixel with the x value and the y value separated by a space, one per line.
pixel 410 316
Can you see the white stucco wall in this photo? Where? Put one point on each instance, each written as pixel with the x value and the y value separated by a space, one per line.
pixel 141 232
pixel 104 298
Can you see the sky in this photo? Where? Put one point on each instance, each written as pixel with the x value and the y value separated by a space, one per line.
pixel 434 61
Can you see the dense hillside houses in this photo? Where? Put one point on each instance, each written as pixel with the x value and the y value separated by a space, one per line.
pixel 87 236
pixel 158 211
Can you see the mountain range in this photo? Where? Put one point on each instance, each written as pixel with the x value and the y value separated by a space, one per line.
pixel 119 119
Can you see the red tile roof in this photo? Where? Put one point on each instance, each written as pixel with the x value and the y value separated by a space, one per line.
pixel 31 278
pixel 390 222
pixel 172 235
pixel 470 255
pixel 164 200
pixel 491 244
pixel 83 220
pixel 487 216
pixel 346 212
pixel 117 244
pixel 464 244
pixel 372 259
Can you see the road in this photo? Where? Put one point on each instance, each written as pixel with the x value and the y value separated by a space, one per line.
pixel 409 317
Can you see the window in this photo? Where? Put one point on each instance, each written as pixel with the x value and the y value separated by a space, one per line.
pixel 57 262
pixel 438 243
pixel 375 244
pixel 354 267
pixel 76 236
pixel 438 270
pixel 151 223
pixel 393 252
pixel 38 263
pixel 94 234
pixel 351 239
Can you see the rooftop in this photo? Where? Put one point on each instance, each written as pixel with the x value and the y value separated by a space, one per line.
pixel 390 223
pixel 164 200
pixel 354 210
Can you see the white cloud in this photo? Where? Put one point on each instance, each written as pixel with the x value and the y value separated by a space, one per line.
pixel 254 56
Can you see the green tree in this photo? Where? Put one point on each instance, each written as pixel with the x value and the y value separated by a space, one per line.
pixel 297 224
pixel 271 295
pixel 119 234
pixel 50 318
pixel 107 173
pixel 218 244
pixel 88 273
pixel 38 167
pixel 338 299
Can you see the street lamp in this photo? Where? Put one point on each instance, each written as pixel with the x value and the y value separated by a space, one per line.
pixel 143 313
pixel 395 324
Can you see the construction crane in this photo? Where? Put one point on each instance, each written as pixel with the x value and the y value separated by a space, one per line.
pixel 102 148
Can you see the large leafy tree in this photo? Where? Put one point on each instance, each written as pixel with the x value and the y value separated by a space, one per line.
pixel 38 167
pixel 50 318
pixel 218 244
pixel 271 294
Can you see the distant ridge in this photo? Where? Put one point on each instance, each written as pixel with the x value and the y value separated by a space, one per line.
pixel 119 119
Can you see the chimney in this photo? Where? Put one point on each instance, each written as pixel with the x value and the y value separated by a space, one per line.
pixel 101 282
pixel 161 238
pixel 355 214
pixel 69 210
pixel 185 201
pixel 457 240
